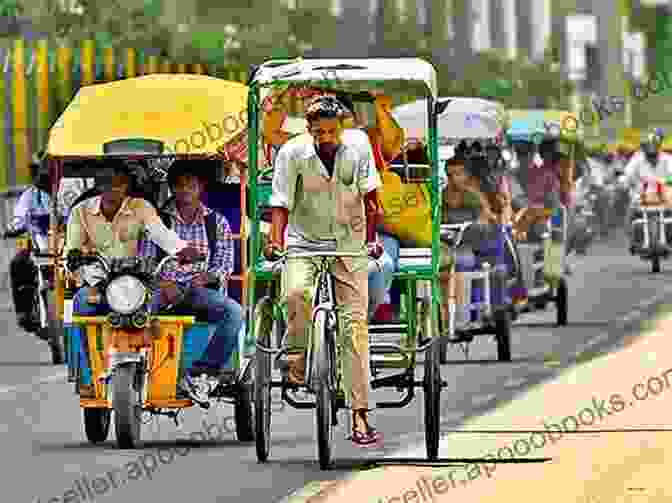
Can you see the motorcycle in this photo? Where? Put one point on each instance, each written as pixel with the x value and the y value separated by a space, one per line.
pixel 651 229
pixel 43 321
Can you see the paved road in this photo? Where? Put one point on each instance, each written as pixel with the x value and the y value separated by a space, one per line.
pixel 45 452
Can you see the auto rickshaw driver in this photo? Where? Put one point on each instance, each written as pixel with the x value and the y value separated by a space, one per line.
pixel 113 224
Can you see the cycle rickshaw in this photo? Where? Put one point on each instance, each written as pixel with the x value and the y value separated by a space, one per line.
pixel 133 362
pixel 469 122
pixel 543 254
pixel 419 330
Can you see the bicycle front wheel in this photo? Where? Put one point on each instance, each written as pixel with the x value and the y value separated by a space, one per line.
pixel 324 392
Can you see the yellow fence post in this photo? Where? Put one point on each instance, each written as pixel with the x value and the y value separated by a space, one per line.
pixel 21 146
pixel 88 62
pixel 4 138
pixel 198 69
pixel 64 73
pixel 181 68
pixel 108 62
pixel 42 80
pixel 166 66
pixel 131 61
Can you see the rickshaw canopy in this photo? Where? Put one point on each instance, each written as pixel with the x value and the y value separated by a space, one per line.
pixel 188 114
pixel 462 118
pixel 339 71
pixel 532 125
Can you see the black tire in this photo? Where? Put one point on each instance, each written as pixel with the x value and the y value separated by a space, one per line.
pixel 443 351
pixel 503 335
pixel 432 388
pixel 561 303
pixel 127 410
pixel 262 379
pixel 244 414
pixel 97 424
pixel 655 265
pixel 324 394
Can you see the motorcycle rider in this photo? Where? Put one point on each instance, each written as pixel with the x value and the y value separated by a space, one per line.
pixel 648 167
pixel 31 214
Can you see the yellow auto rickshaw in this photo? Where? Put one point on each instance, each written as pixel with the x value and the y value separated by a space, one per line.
pixel 133 361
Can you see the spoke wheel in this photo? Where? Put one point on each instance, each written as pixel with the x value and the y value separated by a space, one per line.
pixel 262 382
pixel 432 388
pixel 324 394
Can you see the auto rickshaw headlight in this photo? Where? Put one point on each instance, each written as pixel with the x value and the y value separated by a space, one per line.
pixel 126 294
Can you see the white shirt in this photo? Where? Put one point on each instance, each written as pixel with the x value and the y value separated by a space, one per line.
pixel 357 139
pixel 302 149
pixel 639 168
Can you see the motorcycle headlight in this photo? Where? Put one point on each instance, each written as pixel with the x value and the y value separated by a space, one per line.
pixel 125 294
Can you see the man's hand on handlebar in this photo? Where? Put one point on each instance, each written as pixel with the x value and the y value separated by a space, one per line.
pixel 375 250
pixel 273 251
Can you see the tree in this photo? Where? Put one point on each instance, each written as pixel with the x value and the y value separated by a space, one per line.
pixel 109 23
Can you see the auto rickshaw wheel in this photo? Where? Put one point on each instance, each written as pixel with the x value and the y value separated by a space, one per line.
pixel 244 414
pixel 127 409
pixel 432 387
pixel 503 335
pixel 97 424
pixel 561 302
pixel 262 378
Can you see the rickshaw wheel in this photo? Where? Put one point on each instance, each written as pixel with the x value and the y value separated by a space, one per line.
pixel 432 388
pixel 127 410
pixel 96 424
pixel 325 392
pixel 503 335
pixel 262 379
pixel 561 302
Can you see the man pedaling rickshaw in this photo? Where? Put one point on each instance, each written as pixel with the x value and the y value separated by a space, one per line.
pixel 113 224
pixel 307 176
pixel 380 145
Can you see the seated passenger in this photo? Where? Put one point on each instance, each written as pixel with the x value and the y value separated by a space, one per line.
pixel 544 189
pixel 461 203
pixel 186 290
pixel 113 224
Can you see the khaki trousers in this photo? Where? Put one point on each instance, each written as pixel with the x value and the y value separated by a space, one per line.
pixel 351 288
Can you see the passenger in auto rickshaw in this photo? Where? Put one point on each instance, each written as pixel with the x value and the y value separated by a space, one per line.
pixel 380 144
pixel 112 224
pixel 185 290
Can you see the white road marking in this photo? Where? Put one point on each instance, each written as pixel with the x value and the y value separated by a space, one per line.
pixel 24 387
